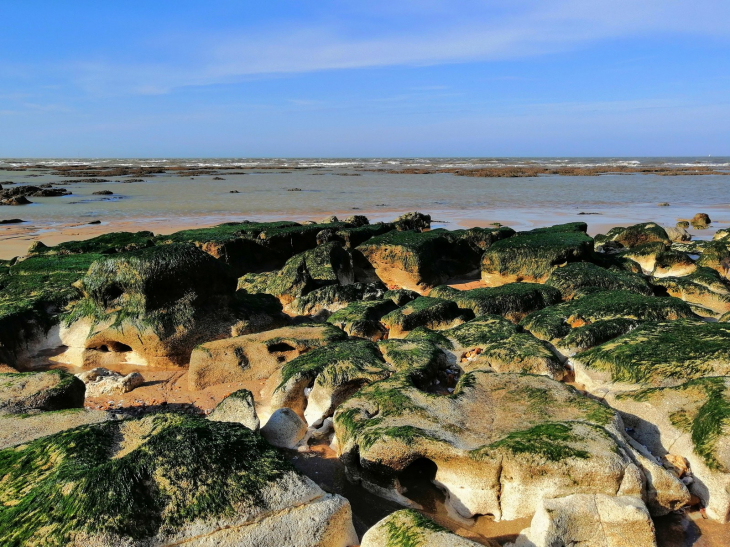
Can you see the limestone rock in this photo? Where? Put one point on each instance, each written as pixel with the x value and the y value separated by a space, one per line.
pixel 362 319
pixel 582 278
pixel 100 381
pixel 413 221
pixel 284 428
pixel 638 234
pixel 589 519
pixel 432 313
pixel 332 298
pixel 238 407
pixel 676 233
pixel 28 391
pixel 703 288
pixel 412 528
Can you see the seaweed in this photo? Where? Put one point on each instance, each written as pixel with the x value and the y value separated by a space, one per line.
pixel 511 300
pixel 547 440
pixel 582 278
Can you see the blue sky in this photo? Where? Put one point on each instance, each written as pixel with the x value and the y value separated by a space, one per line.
pixel 225 78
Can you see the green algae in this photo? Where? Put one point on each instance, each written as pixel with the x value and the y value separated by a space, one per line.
pixel 405 528
pixel 437 338
pixel 425 312
pixel 113 242
pixel 581 278
pixel 548 440
pixel 507 300
pixel 597 333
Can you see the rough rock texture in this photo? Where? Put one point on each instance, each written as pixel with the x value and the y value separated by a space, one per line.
pixel 716 255
pixel 513 301
pixel 114 242
pixel 420 261
pixel 432 313
pixel 689 422
pixel 556 322
pixel 656 354
pixel 675 233
pixel 532 256
pixel 590 520
pixel 335 297
pixel 633 236
pixel 362 319
pixel 255 356
pixel 704 288
pixel 53 390
pixel 284 428
pixel 582 278
pixel 17 429
pixel 238 407
pixel 100 381
pixel 162 480
pixel 153 306
pixel 411 528
pixel 500 443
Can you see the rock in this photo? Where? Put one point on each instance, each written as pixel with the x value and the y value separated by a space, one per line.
pixel 357 220
pixel 513 300
pixel 556 322
pixel 223 486
pixel 361 319
pixel 532 256
pixel 284 428
pixel 663 204
pixel 103 193
pixel 638 234
pixel 589 519
pixel 413 221
pixel 716 255
pixel 329 220
pixel 218 178
pixel 152 306
pixel 256 313
pixel 95 222
pixel 11 221
pixel 432 313
pixel 704 288
pixel 360 234
pixel 498 445
pixel 582 278
pixel 332 298
pixel 692 420
pixel 678 234
pixel 672 263
pixel 683 224
pixel 594 334
pixel 412 527
pixel 22 393
pixel 255 356
pixel 100 381
pixel 111 243
pixel 700 220
pixel 327 235
pixel 19 429
pixel 238 407
pixel 656 354
pixel 722 234
pixel 234 192
pixel 19 200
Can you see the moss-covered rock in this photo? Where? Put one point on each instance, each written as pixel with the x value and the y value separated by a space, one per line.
pixel 691 420
pixel 555 322
pixel 581 278
pixel 716 255
pixel 500 443
pixel 21 393
pixel 432 313
pixel 255 356
pixel 704 288
pixel 164 479
pixel 722 234
pixel 594 334
pixel 532 256
pixel 152 306
pixel 114 242
pixel 658 354
pixel 331 298
pixel 327 264
pixel 513 300
pixel 409 528
pixel 638 234
pixel 413 221
pixel 361 319
pixel 317 382
pixel 420 261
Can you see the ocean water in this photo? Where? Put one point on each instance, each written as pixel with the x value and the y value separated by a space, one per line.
pixel 363 186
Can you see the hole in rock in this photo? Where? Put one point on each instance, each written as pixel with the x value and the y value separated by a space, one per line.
pixel 416 483
pixel 114 347
pixel 280 347
pixel 112 293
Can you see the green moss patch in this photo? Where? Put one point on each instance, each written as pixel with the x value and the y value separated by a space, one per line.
pixel 581 278
pixel 428 312
pixel 114 242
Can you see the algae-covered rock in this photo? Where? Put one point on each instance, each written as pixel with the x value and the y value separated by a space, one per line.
pixel 411 528
pixel 25 392
pixel 555 322
pixel 163 480
pixel 114 242
pixel 498 445
pixel 513 300
pixel 152 306
pixel 638 234
pixel 327 264
pixel 362 319
pixel 657 354
pixel 432 313
pixel 691 420
pixel 255 356
pixel 532 256
pixel 589 519
pixel 238 407
pixel 594 334
pixel 704 288
pixel 716 255
pixel 582 278
pixel 413 221
pixel 722 234
pixel 335 297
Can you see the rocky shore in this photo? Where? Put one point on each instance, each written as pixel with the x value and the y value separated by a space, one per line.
pixel 208 387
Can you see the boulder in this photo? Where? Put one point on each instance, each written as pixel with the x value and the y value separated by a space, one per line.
pixel 532 256
pixel 284 428
pixel 335 297
pixel 704 289
pixel 223 485
pixel 357 235
pixel 582 278
pixel 237 407
pixel 594 334
pixel 676 233
pixel 636 235
pixel 362 319
pixel 660 260
pixel 151 307
pixel 556 322
pixel 497 446
pixel 693 421
pixel 656 354
pixel 589 519
pixel 716 255
pixel 411 528
pixel 100 381
pixel 255 356
pixel 432 313
pixel 512 301
pixel 413 221
pixel 721 234
pixel 21 393
pixel 114 242
pixel 700 220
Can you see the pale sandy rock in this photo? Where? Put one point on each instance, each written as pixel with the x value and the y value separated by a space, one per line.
pixel 594 520
pixel 238 407
pixel 22 392
pixel 23 428
pixel 413 529
pixel 101 381
pixel 284 428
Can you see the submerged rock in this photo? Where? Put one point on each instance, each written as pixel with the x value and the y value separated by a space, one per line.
pixel 222 484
